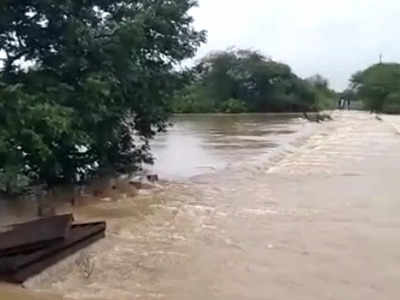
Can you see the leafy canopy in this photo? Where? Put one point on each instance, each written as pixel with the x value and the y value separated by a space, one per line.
pixel 258 84
pixel 84 83
pixel 379 87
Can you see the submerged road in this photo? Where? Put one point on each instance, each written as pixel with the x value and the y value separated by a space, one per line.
pixel 321 220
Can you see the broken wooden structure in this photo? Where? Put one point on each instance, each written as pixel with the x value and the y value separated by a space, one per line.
pixel 28 249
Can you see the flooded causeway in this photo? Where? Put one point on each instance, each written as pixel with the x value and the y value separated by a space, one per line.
pixel 251 209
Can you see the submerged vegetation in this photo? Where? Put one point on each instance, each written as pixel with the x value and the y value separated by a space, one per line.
pixel 83 84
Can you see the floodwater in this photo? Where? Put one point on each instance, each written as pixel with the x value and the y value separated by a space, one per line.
pixel 193 145
pixel 205 143
pixel 250 207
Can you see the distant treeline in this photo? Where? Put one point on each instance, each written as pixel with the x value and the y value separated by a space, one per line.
pixel 236 81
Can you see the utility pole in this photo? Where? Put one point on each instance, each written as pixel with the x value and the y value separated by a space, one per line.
pixel 380 58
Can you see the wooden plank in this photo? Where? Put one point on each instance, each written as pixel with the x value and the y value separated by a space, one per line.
pixel 25 273
pixel 24 249
pixel 76 234
pixel 21 267
pixel 34 235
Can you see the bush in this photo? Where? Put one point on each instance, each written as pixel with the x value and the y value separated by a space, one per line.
pixel 324 101
pixel 233 106
pixel 392 104
pixel 192 99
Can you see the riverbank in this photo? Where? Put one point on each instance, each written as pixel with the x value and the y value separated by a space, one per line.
pixel 318 222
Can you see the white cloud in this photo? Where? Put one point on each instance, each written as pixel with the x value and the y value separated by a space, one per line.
pixel 334 38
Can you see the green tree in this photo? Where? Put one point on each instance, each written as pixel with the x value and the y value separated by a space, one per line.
pixel 379 87
pixel 256 81
pixel 83 85
pixel 325 98
pixel 233 106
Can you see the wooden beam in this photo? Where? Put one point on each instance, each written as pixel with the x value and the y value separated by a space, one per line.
pixel 21 267
pixel 34 235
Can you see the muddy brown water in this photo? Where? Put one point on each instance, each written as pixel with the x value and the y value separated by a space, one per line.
pixel 257 207
pixel 195 145
pixel 205 143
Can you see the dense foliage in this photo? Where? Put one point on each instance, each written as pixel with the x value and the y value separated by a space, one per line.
pixel 83 84
pixel 379 87
pixel 245 80
pixel 324 97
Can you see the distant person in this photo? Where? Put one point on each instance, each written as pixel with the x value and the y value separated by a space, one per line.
pixel 341 103
pixel 348 102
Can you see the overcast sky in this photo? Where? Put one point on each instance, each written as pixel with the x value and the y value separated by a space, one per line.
pixel 332 37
